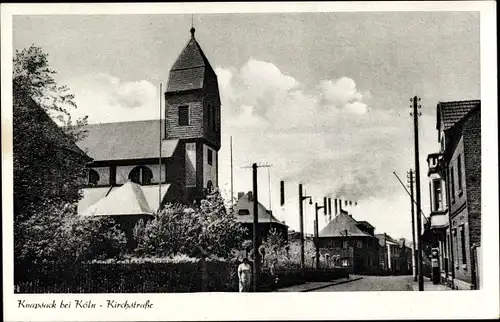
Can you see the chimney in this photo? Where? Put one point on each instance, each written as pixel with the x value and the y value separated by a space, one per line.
pixel 282 193
pixel 240 195
pixel 250 196
pixel 336 207
pixel 330 207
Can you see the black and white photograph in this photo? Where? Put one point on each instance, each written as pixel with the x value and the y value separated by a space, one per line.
pixel 161 152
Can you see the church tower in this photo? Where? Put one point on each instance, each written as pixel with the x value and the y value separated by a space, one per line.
pixel 192 115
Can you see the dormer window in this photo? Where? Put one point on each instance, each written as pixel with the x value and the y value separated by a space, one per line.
pixel 243 212
pixel 183 114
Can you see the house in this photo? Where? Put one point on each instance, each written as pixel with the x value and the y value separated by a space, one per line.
pixel 169 160
pixel 395 255
pixel 243 210
pixel 351 242
pixel 455 194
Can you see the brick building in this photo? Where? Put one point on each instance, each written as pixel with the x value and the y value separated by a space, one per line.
pixel 183 169
pixel 352 242
pixel 455 193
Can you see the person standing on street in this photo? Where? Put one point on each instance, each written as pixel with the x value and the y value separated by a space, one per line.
pixel 245 275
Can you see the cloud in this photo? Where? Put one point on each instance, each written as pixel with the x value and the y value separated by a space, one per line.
pixel 326 137
pixel 106 98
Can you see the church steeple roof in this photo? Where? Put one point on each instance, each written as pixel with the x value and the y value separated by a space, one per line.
pixel 189 69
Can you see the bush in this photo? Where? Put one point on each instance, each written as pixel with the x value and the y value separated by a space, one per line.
pixel 58 237
pixel 133 275
pixel 179 230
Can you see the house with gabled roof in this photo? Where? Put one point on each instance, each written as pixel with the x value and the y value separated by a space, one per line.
pixel 243 210
pixel 351 242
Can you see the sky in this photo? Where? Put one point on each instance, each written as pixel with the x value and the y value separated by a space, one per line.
pixel 322 97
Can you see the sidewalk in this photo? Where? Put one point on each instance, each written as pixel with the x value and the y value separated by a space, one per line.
pixel 429 286
pixel 312 286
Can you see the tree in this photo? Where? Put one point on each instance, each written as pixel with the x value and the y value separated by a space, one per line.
pixel 48 167
pixel 177 230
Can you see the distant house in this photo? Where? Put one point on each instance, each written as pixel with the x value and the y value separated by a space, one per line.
pixel 351 242
pixel 395 255
pixel 244 215
pixel 295 235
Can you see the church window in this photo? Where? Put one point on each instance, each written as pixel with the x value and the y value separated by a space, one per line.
pixel 93 177
pixel 141 175
pixel 183 115
pixel 209 156
pixel 359 244
pixel 210 186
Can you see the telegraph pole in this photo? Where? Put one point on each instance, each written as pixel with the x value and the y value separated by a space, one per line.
pixel 256 255
pixel 415 266
pixel 255 235
pixel 316 229
pixel 301 220
pixel 415 115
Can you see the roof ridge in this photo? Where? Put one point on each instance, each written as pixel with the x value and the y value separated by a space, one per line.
pixel 121 122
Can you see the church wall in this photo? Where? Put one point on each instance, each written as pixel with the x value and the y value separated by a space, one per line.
pixel 122 172
pixel 195 127
pixel 176 175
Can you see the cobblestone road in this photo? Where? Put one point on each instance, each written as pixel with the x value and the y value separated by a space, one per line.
pixel 373 283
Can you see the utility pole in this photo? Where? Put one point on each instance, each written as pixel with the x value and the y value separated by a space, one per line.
pixel 415 266
pixel 301 220
pixel 255 235
pixel 316 229
pixel 256 255
pixel 231 151
pixel 416 114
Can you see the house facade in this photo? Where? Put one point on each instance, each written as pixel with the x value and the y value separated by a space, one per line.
pixel 351 243
pixel 455 194
pixel 395 255
pixel 170 160
pixel 243 210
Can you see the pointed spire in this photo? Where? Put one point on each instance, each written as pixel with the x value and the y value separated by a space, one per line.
pixel 192 30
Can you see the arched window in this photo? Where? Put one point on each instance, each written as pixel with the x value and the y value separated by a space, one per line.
pixel 141 175
pixel 210 186
pixel 93 177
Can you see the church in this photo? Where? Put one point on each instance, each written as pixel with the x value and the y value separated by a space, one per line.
pixel 138 166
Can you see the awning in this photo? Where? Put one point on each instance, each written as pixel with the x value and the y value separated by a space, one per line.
pixel 129 199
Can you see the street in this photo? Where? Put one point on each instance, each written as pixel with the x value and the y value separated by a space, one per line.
pixel 373 283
